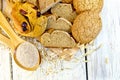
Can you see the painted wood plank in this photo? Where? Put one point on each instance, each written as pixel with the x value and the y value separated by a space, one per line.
pixel 5 59
pixel 104 64
pixel 5 66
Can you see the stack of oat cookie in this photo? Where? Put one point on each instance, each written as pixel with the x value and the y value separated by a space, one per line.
pixel 88 23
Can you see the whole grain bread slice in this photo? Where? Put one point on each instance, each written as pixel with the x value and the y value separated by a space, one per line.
pixel 67 1
pixel 65 11
pixel 31 1
pixel 45 5
pixel 58 24
pixel 56 39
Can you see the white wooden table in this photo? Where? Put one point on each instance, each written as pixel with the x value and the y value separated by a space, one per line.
pixel 104 64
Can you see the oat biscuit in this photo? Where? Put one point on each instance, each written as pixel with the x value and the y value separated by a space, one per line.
pixel 86 27
pixel 83 5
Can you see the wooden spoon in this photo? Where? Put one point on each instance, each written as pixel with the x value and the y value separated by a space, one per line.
pixel 25 54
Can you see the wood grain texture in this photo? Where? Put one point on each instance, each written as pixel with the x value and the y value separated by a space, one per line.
pixel 5 63
pixel 76 73
pixel 104 64
pixel 5 59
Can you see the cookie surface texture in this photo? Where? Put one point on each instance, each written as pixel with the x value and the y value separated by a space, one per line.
pixel 85 5
pixel 86 27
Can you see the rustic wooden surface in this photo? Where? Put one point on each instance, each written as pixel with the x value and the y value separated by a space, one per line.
pixel 102 64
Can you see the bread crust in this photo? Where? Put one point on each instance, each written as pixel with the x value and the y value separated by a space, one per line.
pixel 45 5
pixel 58 24
pixel 67 1
pixel 65 11
pixel 57 39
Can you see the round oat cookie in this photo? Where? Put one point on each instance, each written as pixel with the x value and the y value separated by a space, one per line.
pixel 83 5
pixel 86 27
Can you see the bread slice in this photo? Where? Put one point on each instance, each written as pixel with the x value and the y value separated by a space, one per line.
pixel 0 4
pixel 16 0
pixel 45 5
pixel 65 11
pixel 32 1
pixel 57 39
pixel 58 24
pixel 67 1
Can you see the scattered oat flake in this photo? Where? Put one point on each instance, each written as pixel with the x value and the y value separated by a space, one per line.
pixel 106 60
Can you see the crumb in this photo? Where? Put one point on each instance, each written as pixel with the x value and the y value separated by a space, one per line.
pixel 106 60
